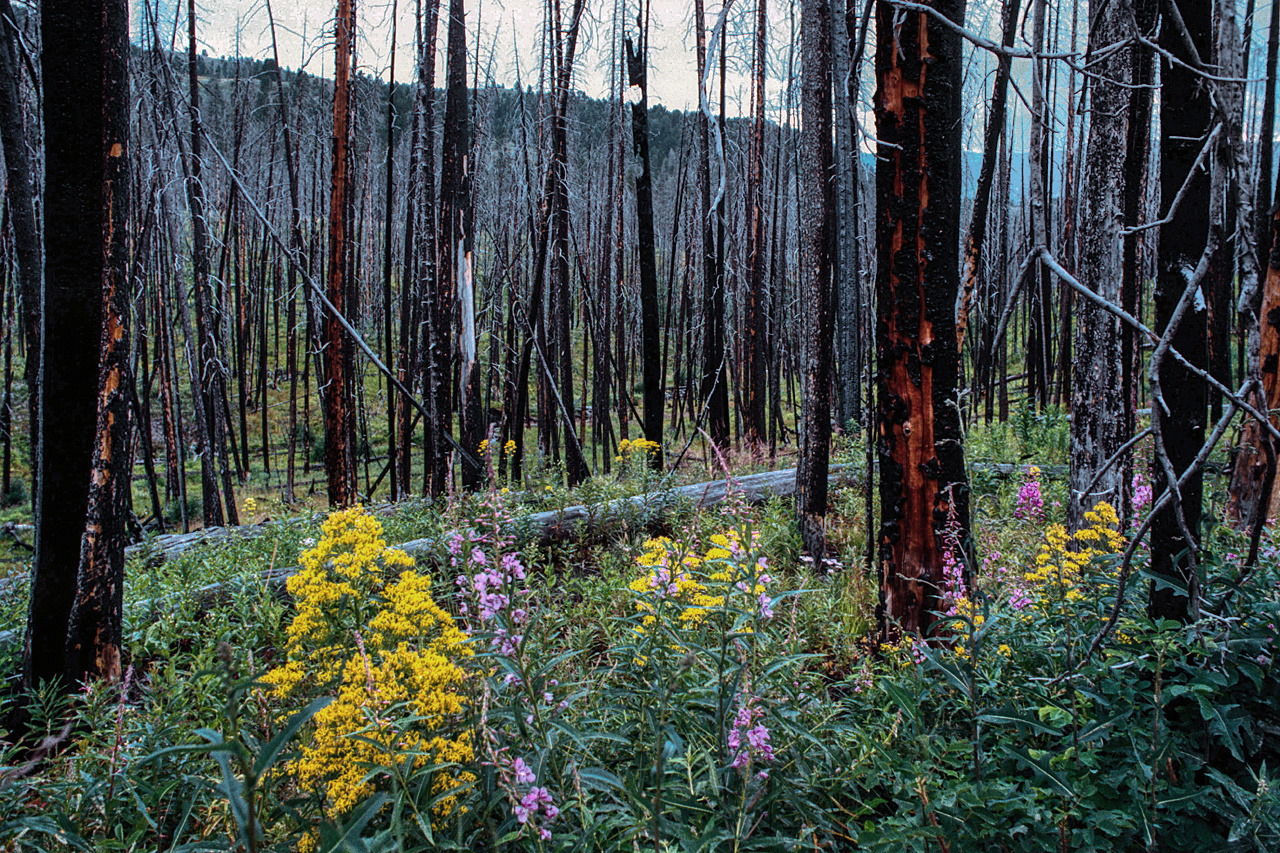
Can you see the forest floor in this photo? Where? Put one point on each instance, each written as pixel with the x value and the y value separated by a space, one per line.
pixel 675 679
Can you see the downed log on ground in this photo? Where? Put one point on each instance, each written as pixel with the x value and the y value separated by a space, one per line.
pixel 641 509
pixel 544 525
pixel 539 526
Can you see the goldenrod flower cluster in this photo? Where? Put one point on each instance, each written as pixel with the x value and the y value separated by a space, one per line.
pixel 368 631
pixel 1058 568
pixel 676 573
pixel 640 447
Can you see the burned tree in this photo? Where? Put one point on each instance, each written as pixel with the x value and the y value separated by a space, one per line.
pixel 455 246
pixel 339 415
pixel 817 230
pixel 924 500
pixel 650 354
pixel 84 458
pixel 714 389
pixel 754 311
pixel 1096 394
pixel 1179 398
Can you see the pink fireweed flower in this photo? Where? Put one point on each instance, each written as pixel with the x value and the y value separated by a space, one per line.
pixel 749 738
pixel 524 773
pixel 1030 504
pixel 1142 493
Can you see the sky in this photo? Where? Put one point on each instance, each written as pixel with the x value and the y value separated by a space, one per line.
pixel 509 34
pixel 508 43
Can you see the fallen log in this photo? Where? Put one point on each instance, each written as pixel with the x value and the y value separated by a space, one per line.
pixel 541 527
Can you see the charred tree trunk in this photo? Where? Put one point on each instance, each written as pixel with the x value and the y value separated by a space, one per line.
pixel 715 381
pixel 650 352
pixel 755 428
pixel 1184 124
pixel 1266 146
pixel 207 370
pixel 94 626
pixel 924 500
pixel 455 242
pixel 296 248
pixel 389 350
pixel 339 416
pixel 26 235
pixel 1096 403
pixel 986 175
pixel 74 616
pixel 1137 148
pixel 817 246
pixel 558 209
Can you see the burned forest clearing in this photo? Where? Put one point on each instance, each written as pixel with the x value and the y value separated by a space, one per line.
pixel 739 426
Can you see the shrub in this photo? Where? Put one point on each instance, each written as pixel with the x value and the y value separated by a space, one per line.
pixel 368 631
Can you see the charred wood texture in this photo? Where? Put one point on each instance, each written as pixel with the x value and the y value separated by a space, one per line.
pixel 817 249
pixel 339 415
pixel 1096 401
pixel 650 354
pixel 73 625
pixel 1185 114
pixel 923 488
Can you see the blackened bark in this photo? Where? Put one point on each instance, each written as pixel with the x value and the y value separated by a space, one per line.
pixel 1184 122
pixel 1137 148
pixel 923 488
pixel 389 350
pixel 755 428
pixel 94 625
pixel 85 118
pixel 206 361
pixel 650 353
pixel 1266 145
pixel 1096 402
pixel 715 381
pixel 26 235
pixel 817 247
pixel 558 207
pixel 455 244
pixel 339 417
pixel 434 468
pixel 296 248
pixel 986 174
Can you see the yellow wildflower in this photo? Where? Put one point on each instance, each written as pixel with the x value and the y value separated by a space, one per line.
pixel 399 693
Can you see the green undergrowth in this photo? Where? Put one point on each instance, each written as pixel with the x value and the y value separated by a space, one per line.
pixel 674 681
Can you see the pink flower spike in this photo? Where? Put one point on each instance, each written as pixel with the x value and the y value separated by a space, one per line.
pixel 524 773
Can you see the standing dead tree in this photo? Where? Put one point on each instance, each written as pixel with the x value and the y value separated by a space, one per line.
pixel 651 357
pixel 924 499
pixel 816 252
pixel 85 460
pixel 339 416
pixel 1096 400
pixel 1179 398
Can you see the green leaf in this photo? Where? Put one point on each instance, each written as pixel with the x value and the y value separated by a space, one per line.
pixel 348 837
pixel 276 745
pixel 904 700
pixel 1006 715
pixel 950 672
pixel 1056 782
pixel 599 778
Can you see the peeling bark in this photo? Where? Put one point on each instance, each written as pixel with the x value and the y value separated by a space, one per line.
pixel 923 487
pixel 73 624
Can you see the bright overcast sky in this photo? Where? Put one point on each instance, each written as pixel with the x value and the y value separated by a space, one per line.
pixel 509 36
